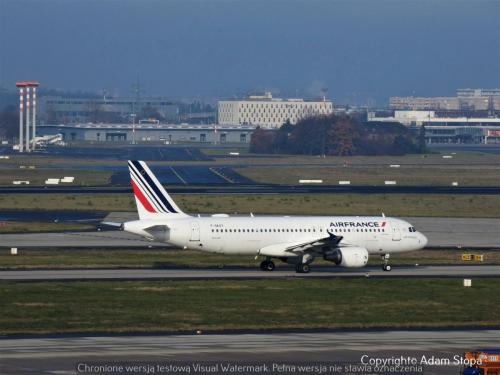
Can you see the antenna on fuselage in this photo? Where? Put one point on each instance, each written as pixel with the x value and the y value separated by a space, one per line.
pixel 251 214
pixel 383 215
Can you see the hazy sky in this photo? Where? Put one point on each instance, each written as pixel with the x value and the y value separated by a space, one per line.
pixel 360 50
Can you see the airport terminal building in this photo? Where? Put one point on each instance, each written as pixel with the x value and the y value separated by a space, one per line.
pixel 269 112
pixel 143 133
pixel 465 100
pixel 440 129
pixel 67 110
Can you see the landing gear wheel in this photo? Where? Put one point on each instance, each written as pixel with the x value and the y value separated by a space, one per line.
pixel 302 268
pixel 267 265
pixel 386 266
pixel 270 266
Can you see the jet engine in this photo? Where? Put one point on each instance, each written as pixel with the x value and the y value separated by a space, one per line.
pixel 347 256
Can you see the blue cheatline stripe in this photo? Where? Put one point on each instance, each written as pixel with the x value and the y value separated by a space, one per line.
pixel 147 189
pixel 151 183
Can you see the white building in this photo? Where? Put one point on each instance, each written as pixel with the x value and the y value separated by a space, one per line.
pixel 418 118
pixel 447 129
pixel 466 100
pixel 269 112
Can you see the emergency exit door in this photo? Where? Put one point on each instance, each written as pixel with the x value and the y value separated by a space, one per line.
pixel 195 231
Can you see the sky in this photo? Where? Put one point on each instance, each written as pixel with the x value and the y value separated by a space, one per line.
pixel 363 52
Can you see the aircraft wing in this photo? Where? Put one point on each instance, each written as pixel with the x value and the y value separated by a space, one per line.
pixel 292 249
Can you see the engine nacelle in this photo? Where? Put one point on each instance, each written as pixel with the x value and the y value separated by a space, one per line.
pixel 348 256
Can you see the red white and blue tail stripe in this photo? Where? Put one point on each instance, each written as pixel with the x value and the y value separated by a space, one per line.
pixel 150 196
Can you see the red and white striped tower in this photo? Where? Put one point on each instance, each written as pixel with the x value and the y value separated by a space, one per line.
pixel 34 85
pixel 21 86
pixel 28 119
pixel 24 134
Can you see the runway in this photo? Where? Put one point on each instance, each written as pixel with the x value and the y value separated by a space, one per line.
pixel 265 189
pixel 247 274
pixel 61 355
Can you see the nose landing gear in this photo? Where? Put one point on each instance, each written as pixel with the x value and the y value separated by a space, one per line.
pixel 267 265
pixel 386 266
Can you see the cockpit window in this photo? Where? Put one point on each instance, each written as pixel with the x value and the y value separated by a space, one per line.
pixel 412 229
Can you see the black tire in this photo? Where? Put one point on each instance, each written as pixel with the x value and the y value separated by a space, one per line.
pixel 302 268
pixel 270 266
pixel 263 265
pixel 388 268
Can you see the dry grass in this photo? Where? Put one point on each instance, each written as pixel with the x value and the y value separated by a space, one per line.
pixel 37 227
pixel 152 306
pixel 377 174
pixel 154 258
pixel 286 204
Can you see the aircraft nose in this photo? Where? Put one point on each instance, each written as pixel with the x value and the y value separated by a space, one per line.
pixel 422 240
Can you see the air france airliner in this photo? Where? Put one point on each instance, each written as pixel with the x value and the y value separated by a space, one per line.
pixel 344 240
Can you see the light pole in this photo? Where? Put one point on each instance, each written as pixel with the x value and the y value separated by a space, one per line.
pixel 133 115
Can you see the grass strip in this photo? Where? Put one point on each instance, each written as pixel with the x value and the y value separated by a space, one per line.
pixel 56 307
pixel 154 258
pixel 286 204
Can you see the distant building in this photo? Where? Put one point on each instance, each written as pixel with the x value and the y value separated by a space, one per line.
pixel 149 133
pixel 269 112
pixel 439 129
pixel 466 100
pixel 65 110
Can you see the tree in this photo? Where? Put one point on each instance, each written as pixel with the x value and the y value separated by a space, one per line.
pixel 342 135
pixel 337 135
pixel 262 141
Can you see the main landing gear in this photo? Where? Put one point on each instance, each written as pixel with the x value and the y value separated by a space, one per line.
pixel 386 266
pixel 302 268
pixel 267 265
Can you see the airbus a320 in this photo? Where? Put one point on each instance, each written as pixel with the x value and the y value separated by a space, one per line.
pixel 346 241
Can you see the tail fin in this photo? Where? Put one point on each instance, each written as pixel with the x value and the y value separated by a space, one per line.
pixel 150 196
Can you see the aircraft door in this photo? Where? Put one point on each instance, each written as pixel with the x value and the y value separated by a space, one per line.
pixel 195 231
pixel 396 233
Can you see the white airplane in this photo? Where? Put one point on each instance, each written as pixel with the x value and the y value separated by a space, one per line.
pixel 344 240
